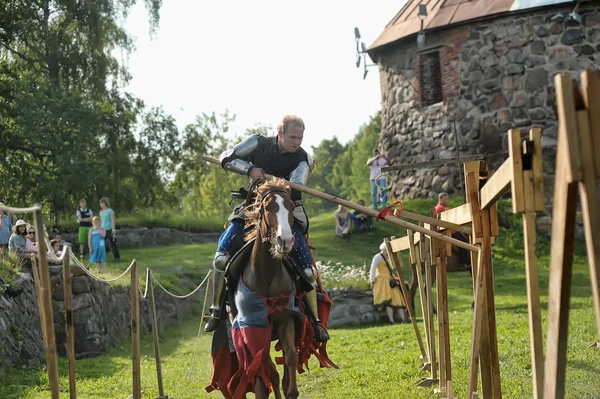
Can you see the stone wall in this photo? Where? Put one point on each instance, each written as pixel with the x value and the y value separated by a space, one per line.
pixel 154 237
pixel 101 315
pixel 496 75
pixel 352 307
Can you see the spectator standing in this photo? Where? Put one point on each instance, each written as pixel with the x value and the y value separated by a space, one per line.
pixel 6 226
pixel 386 289
pixel 97 245
pixel 84 218
pixel 376 162
pixel 108 223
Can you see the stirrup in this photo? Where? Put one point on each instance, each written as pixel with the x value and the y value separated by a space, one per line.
pixel 213 321
pixel 321 334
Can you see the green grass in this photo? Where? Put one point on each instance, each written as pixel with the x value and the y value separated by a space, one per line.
pixel 149 218
pixel 375 361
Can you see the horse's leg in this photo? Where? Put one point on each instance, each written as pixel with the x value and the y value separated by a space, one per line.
pixel 291 359
pixel 275 381
pixel 260 389
pixel 286 378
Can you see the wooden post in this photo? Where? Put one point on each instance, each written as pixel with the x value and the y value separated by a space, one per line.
pixel 69 320
pixel 437 264
pixel 155 337
pixel 396 261
pixel 416 256
pixel 533 200
pixel 428 282
pixel 589 136
pixel 135 332
pixel 47 317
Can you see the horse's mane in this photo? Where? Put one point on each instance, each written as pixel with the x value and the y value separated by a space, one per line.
pixel 252 214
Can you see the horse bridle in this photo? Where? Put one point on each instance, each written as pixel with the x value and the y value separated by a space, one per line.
pixel 260 202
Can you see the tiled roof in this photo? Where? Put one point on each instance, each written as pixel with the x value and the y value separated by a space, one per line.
pixel 442 13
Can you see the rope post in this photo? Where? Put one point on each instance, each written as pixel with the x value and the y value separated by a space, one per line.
pixel 47 317
pixel 135 332
pixel 161 391
pixel 69 320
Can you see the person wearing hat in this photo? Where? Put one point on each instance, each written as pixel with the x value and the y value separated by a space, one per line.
pixel 17 244
pixel 386 289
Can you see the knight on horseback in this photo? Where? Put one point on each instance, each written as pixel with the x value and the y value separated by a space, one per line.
pixel 280 156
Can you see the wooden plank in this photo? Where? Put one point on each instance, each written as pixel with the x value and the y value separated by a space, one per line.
pixel 459 215
pixel 421 283
pixel 590 86
pixel 400 244
pixel 69 323
pixel 435 265
pixel 477 326
pixel 494 226
pixel 47 318
pixel 533 288
pixel 397 264
pixel 589 207
pixel 435 222
pixel 490 363
pixel 535 135
pixel 429 294
pixel 435 162
pixel 443 310
pixel 515 161
pixel 497 185
pixel 472 190
pixel 567 124
pixel 135 334
pixel 561 263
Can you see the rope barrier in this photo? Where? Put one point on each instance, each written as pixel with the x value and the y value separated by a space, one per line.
pixel 112 280
pixel 180 296
pixel 34 208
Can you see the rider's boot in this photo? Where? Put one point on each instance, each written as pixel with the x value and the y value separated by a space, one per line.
pixel 321 334
pixel 219 264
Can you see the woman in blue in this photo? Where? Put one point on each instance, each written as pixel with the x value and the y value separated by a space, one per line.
pixel 108 223
pixel 97 245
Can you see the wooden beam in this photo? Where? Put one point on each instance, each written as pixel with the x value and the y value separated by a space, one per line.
pixel 399 244
pixel 516 163
pixel 496 186
pixel 590 85
pixel 435 162
pixel 533 288
pixel 561 266
pixel 589 208
pixel 567 124
pixel 397 264
pixel 371 212
pixel 459 215
pixel 535 135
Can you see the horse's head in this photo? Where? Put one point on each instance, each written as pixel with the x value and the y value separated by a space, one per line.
pixel 273 216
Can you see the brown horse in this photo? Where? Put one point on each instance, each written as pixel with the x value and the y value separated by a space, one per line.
pixel 267 282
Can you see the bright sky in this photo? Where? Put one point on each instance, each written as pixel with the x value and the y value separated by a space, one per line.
pixel 261 60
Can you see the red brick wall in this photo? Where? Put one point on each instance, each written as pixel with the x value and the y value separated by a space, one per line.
pixel 450 61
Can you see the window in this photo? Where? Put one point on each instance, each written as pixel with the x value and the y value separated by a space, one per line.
pixel 430 74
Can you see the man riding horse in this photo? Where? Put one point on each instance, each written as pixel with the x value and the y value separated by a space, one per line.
pixel 280 156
